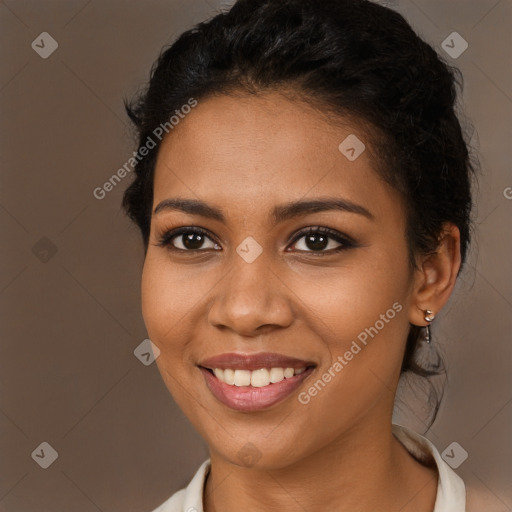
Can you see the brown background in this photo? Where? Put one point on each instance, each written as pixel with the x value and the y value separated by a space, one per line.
pixel 71 320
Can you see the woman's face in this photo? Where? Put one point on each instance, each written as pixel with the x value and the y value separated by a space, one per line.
pixel 252 289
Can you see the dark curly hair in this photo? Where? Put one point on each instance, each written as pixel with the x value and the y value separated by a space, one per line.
pixel 352 58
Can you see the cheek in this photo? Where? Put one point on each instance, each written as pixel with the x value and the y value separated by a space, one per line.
pixel 164 303
pixel 154 297
pixel 361 313
pixel 352 298
pixel 167 299
pixel 366 330
pixel 167 295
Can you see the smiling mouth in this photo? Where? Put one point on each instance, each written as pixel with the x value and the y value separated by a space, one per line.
pixel 254 390
pixel 259 378
pixel 252 382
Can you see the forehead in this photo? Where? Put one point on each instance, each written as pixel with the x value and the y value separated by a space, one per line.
pixel 252 150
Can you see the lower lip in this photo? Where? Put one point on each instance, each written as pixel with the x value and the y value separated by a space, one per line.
pixel 248 398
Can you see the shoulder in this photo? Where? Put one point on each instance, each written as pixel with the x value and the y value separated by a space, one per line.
pixel 451 491
pixel 189 498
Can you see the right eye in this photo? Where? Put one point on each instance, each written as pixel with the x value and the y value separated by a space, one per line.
pixel 187 239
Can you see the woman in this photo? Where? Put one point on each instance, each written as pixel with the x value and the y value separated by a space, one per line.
pixel 303 192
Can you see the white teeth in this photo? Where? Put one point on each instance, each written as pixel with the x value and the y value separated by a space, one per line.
pixel 257 378
pixel 288 373
pixel 242 377
pixel 260 378
pixel 229 377
pixel 276 375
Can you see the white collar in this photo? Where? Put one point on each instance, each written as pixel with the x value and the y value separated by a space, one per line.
pixel 451 492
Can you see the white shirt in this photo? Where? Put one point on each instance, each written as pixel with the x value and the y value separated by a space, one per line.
pixel 451 492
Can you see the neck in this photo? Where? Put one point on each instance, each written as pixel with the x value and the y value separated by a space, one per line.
pixel 366 469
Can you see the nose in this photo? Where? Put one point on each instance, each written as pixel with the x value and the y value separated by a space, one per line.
pixel 251 299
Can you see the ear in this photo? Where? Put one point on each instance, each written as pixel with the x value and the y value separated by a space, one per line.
pixel 435 277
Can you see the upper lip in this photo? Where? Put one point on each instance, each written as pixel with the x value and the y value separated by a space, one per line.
pixel 238 361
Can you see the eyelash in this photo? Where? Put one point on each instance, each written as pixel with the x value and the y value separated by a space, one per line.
pixel 346 242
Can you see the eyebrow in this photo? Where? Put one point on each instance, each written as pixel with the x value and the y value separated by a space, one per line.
pixel 280 213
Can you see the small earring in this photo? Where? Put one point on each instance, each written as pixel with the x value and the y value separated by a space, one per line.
pixel 429 316
pixel 427 334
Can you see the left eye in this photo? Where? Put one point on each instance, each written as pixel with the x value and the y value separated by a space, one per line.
pixel 321 240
